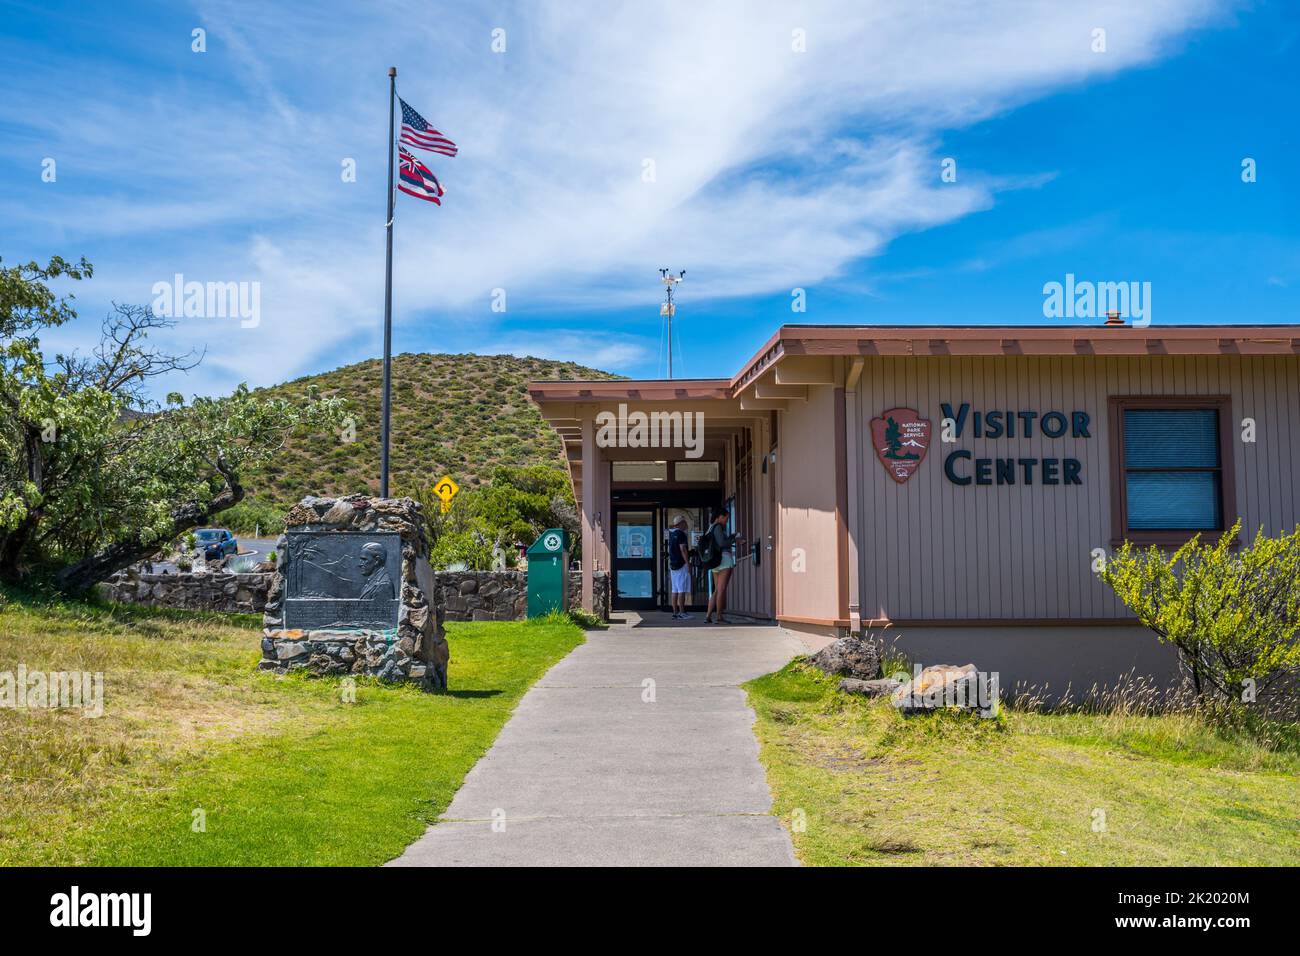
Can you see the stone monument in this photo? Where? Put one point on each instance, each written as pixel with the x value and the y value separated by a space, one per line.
pixel 353 593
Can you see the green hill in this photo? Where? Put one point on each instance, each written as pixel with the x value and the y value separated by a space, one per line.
pixel 456 414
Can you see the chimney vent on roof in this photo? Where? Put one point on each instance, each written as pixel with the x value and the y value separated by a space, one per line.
pixel 1113 319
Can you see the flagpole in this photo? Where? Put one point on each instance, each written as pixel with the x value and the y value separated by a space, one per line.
pixel 388 297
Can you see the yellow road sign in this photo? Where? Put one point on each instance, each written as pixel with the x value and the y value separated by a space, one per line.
pixel 446 489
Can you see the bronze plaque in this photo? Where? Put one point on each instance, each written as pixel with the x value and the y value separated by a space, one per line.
pixel 342 580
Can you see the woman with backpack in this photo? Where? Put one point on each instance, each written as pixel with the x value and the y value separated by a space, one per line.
pixel 720 560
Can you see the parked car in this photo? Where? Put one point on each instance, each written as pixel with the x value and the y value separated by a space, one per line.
pixel 215 543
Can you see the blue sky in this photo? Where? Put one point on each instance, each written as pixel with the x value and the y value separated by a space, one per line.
pixel 792 146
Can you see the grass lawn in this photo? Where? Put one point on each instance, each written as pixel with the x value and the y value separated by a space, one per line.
pixel 285 771
pixel 875 788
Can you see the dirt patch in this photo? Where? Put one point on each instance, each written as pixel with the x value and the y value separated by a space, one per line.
pixel 847 761
pixel 893 846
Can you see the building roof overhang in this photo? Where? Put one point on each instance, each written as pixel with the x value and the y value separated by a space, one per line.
pixel 651 390
pixel 780 372
pixel 928 341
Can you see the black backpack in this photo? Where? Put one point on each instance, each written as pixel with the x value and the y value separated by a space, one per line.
pixel 707 549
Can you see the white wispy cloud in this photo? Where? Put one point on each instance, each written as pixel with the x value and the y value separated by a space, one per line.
pixel 772 167
pixel 612 352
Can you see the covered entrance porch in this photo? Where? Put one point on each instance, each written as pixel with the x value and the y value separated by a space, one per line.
pixel 703 450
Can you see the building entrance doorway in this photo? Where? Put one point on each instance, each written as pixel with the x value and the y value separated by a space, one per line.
pixel 640 553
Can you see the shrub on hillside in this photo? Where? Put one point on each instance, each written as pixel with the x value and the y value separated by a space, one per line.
pixel 253 516
pixel 450 414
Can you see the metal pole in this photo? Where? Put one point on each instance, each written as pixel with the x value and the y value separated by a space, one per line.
pixel 388 297
pixel 670 330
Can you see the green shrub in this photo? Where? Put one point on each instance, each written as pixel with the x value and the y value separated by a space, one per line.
pixel 252 515
pixel 1234 617
pixel 471 547
pixel 586 620
pixel 515 507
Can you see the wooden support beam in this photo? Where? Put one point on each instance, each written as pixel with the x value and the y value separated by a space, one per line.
pixel 855 373
pixel 767 389
pixel 556 411
pixel 762 405
pixel 804 370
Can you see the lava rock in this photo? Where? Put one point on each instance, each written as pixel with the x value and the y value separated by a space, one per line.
pixel 870 688
pixel 852 656
pixel 947 685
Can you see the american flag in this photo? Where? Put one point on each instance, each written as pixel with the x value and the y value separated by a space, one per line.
pixel 417 132
pixel 416 179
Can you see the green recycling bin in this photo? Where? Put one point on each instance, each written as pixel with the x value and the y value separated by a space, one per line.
pixel 548 573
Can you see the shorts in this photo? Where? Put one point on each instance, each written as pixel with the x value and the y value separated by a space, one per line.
pixel 728 561
pixel 681 579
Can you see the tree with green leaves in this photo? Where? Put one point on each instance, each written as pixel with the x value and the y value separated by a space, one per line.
pixel 513 508
pixel 1233 615
pixel 93 476
pixel 460 536
pixel 520 502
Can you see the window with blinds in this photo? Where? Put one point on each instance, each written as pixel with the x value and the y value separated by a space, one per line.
pixel 1173 469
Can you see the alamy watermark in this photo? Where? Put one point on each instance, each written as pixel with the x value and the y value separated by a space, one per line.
pixel 638 429
pixel 42 690
pixel 1073 299
pixel 208 300
pixel 969 690
pixel 75 908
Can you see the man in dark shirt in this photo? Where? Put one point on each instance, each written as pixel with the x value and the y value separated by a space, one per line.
pixel 679 569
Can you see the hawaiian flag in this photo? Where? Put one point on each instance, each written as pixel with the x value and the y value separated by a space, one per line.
pixel 417 132
pixel 416 179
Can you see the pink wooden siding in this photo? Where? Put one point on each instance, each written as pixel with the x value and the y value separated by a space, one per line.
pixel 933 550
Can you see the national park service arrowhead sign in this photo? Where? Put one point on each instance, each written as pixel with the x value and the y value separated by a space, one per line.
pixel 901 437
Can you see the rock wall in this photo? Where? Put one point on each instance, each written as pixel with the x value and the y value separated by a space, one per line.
pixel 215 591
pixel 463 595
pixel 599 592
pixel 503 595
pixel 483 595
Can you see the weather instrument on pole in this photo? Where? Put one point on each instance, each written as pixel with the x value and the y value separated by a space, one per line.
pixel 669 309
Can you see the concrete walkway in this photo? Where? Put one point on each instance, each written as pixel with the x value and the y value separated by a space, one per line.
pixel 588 773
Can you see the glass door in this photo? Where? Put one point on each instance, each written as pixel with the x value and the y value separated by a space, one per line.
pixel 635 558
